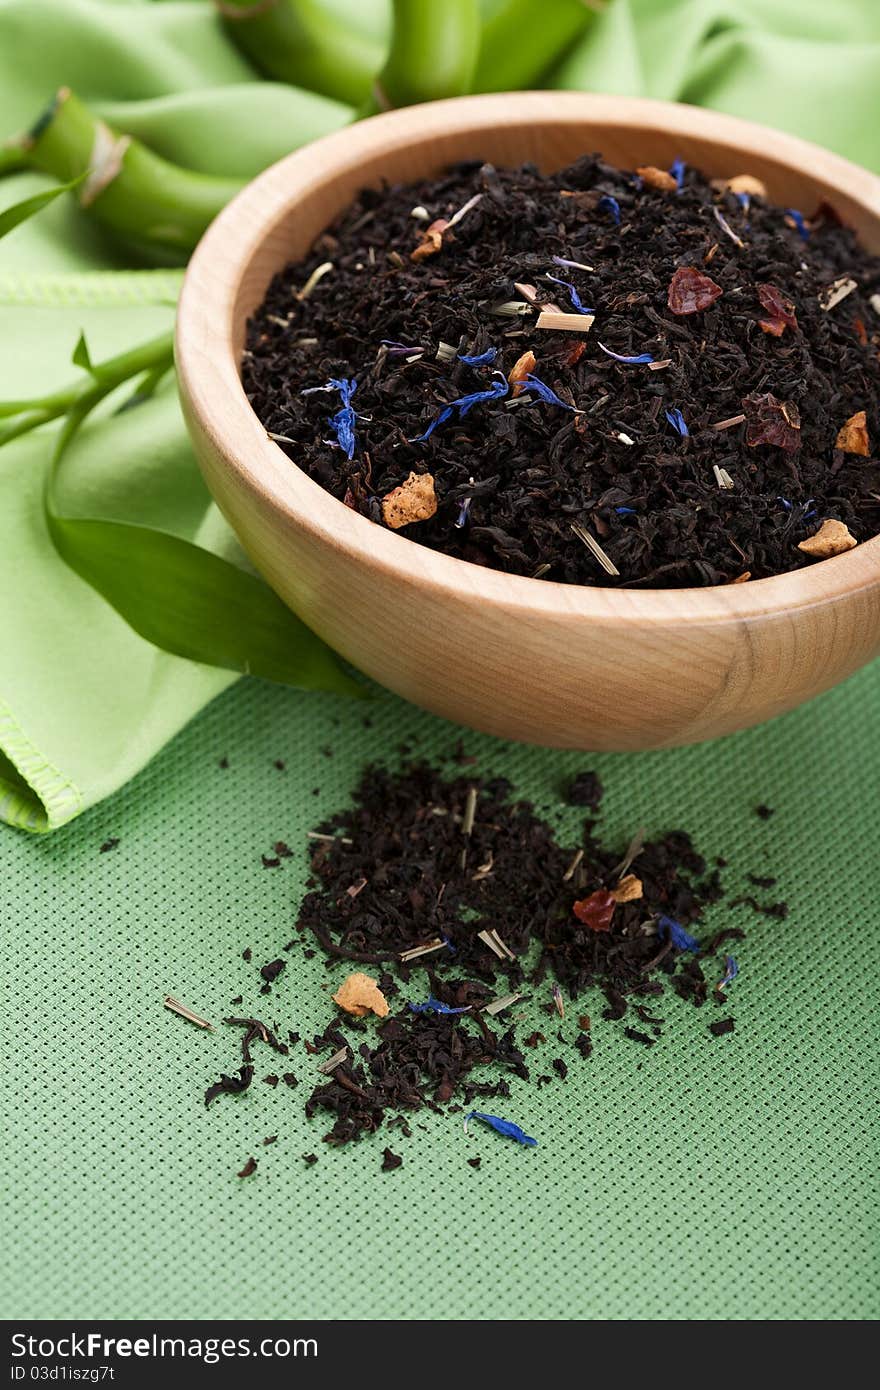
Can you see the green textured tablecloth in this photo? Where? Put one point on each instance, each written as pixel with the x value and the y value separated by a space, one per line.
pixel 708 1178
pixel 704 1178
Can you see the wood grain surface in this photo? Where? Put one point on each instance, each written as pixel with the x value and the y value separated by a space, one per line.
pixel 548 663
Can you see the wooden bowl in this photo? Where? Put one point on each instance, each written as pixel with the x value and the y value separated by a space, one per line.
pixel 553 664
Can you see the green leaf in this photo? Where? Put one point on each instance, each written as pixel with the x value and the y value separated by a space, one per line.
pixel 81 357
pixel 191 602
pixel 28 207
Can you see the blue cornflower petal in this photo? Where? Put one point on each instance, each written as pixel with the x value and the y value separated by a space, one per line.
pixel 800 222
pixel 540 389
pixel 506 1127
pixel 498 389
pixel 434 1006
pixel 572 294
pixel 637 361
pixel 681 939
pixel 676 420
pixel 343 421
pixel 611 205
pixel 463 509
pixel 481 360
pixel 625 511
pixel 677 169
pixel 731 970
pixel 343 425
pixel 441 419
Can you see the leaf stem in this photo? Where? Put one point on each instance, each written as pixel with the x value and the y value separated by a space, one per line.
pixel 137 194
pixel 157 355
pixel 297 41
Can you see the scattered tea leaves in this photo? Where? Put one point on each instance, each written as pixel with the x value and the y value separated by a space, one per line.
pixel 230 1085
pixel 720 1026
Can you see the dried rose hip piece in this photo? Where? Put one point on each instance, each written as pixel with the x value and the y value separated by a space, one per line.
pixel 769 421
pixel 690 291
pixel 596 911
pixel 780 310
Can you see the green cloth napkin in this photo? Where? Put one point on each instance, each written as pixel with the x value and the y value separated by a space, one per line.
pixel 84 701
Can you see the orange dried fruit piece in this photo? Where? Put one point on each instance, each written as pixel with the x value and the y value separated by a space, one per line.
pixel 832 538
pixel 748 184
pixel 628 890
pixel 520 370
pixel 430 240
pixel 690 291
pixel 360 994
pixel 414 500
pixel 657 178
pixel 852 437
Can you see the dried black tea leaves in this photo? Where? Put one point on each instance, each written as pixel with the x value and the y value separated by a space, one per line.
pixel 721 1026
pixel 230 1085
pixel 401 842
pixel 254 1030
pixel 594 377
pixel 584 790
pixel 464 895
pixel 271 971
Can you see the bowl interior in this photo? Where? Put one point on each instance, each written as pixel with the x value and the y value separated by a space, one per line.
pixel 277 218
pixel 619 131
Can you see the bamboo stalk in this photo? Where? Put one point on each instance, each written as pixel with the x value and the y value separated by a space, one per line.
pixel 12 158
pixel 136 194
pixel 433 54
pixel 297 41
pixel 522 41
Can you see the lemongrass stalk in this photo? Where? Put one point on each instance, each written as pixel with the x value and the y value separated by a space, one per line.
pixel 149 360
pixel 523 40
pixel 434 47
pixel 136 194
pixel 298 42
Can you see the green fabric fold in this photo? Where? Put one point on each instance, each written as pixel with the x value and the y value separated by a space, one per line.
pixel 84 701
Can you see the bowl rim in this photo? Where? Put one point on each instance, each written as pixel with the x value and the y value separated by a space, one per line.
pixel 211 386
